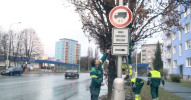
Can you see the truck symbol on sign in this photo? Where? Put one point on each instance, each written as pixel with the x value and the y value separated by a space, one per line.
pixel 120 15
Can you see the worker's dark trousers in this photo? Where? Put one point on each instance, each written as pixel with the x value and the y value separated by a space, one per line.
pixel 154 92
pixel 94 93
pixel 137 91
pixel 138 88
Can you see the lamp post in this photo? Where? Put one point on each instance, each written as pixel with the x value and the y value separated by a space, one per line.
pixel 136 64
pixel 8 50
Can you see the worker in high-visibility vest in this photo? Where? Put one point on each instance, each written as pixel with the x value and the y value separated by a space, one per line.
pixel 97 75
pixel 124 66
pixel 154 80
pixel 137 84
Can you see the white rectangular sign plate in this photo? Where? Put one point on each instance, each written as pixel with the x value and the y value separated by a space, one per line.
pixel 120 50
pixel 120 36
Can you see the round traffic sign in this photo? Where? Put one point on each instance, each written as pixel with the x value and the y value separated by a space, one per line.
pixel 120 16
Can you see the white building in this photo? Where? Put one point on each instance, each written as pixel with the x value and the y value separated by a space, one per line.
pixel 167 51
pixel 148 53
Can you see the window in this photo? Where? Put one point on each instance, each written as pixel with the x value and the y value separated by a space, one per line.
pixel 174 49
pixel 188 44
pixel 174 36
pixel 169 65
pixel 187 12
pixel 178 7
pixel 143 50
pixel 180 50
pixel 187 28
pixel 174 63
pixel 180 35
pixel 188 62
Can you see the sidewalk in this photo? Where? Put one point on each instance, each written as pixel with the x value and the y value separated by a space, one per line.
pixel 179 90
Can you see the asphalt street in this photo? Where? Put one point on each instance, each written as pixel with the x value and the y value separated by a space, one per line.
pixel 51 86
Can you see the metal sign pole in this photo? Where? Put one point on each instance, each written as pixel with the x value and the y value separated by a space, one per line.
pixel 119 91
pixel 120 2
pixel 120 16
pixel 119 65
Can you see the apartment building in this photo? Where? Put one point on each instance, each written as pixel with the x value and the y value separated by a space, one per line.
pixel 148 53
pixel 67 51
pixel 181 45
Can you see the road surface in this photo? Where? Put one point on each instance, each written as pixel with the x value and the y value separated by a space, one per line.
pixel 52 86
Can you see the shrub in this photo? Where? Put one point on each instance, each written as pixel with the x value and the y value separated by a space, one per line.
pixel 164 73
pixel 175 77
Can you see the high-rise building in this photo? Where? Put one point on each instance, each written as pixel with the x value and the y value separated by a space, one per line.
pixel 68 51
pixel 148 53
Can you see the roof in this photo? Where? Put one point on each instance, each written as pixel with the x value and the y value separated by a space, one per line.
pixel 55 62
pixel 17 58
pixel 140 65
pixel 68 39
pixel 143 66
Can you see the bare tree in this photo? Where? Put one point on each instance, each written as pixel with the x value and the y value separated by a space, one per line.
pixel 31 43
pixel 90 57
pixel 147 16
pixel 4 45
pixel 18 47
pixel 96 54
pixel 83 63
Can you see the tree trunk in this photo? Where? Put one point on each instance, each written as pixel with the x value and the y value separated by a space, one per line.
pixel 111 75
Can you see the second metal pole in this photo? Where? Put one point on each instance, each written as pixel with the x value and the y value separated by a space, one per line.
pixel 120 2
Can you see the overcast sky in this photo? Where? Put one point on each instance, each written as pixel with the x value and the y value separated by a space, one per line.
pixel 52 20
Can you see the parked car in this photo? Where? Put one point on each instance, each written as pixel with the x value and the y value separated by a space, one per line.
pixel 12 71
pixel 71 74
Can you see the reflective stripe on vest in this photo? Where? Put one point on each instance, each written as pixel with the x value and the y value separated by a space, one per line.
pixel 133 80
pixel 101 61
pixel 124 66
pixel 130 70
pixel 155 74
pixel 94 76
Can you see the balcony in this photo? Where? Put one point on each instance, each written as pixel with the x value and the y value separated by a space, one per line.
pixel 167 33
pixel 168 43
pixel 168 56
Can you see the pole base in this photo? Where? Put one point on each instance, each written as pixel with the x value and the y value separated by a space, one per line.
pixel 118 89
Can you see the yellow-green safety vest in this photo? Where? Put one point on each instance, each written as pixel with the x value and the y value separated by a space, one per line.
pixel 124 66
pixel 155 74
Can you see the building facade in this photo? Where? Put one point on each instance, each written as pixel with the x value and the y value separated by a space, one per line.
pixel 167 51
pixel 68 51
pixel 148 53
pixel 181 46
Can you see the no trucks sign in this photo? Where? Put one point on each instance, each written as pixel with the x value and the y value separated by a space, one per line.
pixel 120 16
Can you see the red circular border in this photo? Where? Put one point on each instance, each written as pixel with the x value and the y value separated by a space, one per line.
pixel 120 25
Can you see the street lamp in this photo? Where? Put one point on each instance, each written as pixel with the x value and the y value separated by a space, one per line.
pixel 136 71
pixel 9 37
